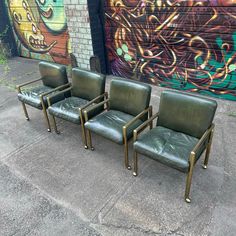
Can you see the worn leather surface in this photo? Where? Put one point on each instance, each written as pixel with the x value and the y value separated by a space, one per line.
pixel 53 75
pixel 168 147
pixel 86 84
pixel 129 97
pixel 186 113
pixel 32 96
pixel 109 125
pixel 68 109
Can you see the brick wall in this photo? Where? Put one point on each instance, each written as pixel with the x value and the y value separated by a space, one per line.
pixel 79 30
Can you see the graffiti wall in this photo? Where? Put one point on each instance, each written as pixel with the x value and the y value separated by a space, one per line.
pixel 40 29
pixel 187 45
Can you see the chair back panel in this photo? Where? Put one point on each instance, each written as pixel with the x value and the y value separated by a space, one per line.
pixel 129 96
pixel 53 75
pixel 186 113
pixel 87 84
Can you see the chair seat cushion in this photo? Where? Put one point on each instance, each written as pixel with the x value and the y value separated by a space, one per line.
pixel 68 109
pixel 109 124
pixel 167 146
pixel 32 96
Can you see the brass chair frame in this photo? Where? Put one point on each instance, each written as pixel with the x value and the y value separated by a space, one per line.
pixel 206 137
pixel 80 110
pixel 124 128
pixel 44 109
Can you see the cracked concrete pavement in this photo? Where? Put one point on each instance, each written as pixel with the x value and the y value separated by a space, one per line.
pixel 50 185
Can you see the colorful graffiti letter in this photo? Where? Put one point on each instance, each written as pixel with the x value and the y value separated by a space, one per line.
pixel 188 45
pixel 40 29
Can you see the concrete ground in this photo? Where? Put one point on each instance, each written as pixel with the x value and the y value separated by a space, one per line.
pixel 50 185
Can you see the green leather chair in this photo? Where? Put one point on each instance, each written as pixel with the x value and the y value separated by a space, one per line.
pixel 53 78
pixel 87 88
pixel 184 129
pixel 126 109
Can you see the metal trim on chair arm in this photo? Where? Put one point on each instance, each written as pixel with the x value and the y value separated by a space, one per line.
pixel 141 114
pixel 55 89
pixel 26 83
pixel 85 112
pixel 56 94
pixel 94 100
pixel 203 138
pixel 143 126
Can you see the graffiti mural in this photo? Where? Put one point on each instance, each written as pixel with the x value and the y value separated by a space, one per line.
pixel 40 29
pixel 187 45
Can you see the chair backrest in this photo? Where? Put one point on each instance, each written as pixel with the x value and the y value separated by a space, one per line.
pixel 186 113
pixel 87 84
pixel 129 96
pixel 53 75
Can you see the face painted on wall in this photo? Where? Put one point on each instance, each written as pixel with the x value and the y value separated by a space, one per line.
pixel 53 14
pixel 25 25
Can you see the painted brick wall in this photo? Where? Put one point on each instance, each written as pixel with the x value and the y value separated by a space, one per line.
pixel 79 30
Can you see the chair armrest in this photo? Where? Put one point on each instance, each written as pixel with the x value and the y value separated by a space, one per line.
pixel 49 98
pixel 140 115
pixel 143 126
pixel 104 95
pixel 203 138
pixel 55 89
pixel 27 83
pixel 91 108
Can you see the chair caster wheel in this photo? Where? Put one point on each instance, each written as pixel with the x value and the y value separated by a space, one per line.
pixel 27 118
pixel 188 200
pixel 204 166
pixel 129 168
pixel 92 148
pixel 49 130
pixel 86 147
pixel 135 174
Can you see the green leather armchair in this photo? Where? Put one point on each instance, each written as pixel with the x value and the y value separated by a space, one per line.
pixel 125 110
pixel 183 131
pixel 53 78
pixel 87 89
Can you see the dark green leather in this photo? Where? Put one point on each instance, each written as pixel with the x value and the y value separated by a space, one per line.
pixel 186 113
pixel 68 109
pixel 86 84
pixel 32 96
pixel 168 147
pixel 129 96
pixel 183 119
pixel 53 75
pixel 127 99
pixel 109 125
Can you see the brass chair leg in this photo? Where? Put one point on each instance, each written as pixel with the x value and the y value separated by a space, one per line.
pixel 55 125
pixel 135 172
pixel 90 140
pixel 47 119
pixel 208 151
pixel 25 111
pixel 45 113
pixel 83 130
pixel 126 152
pixel 189 177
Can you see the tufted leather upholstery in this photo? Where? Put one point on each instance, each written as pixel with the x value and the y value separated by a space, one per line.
pixel 110 123
pixel 127 99
pixel 53 75
pixel 86 85
pixel 186 113
pixel 31 96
